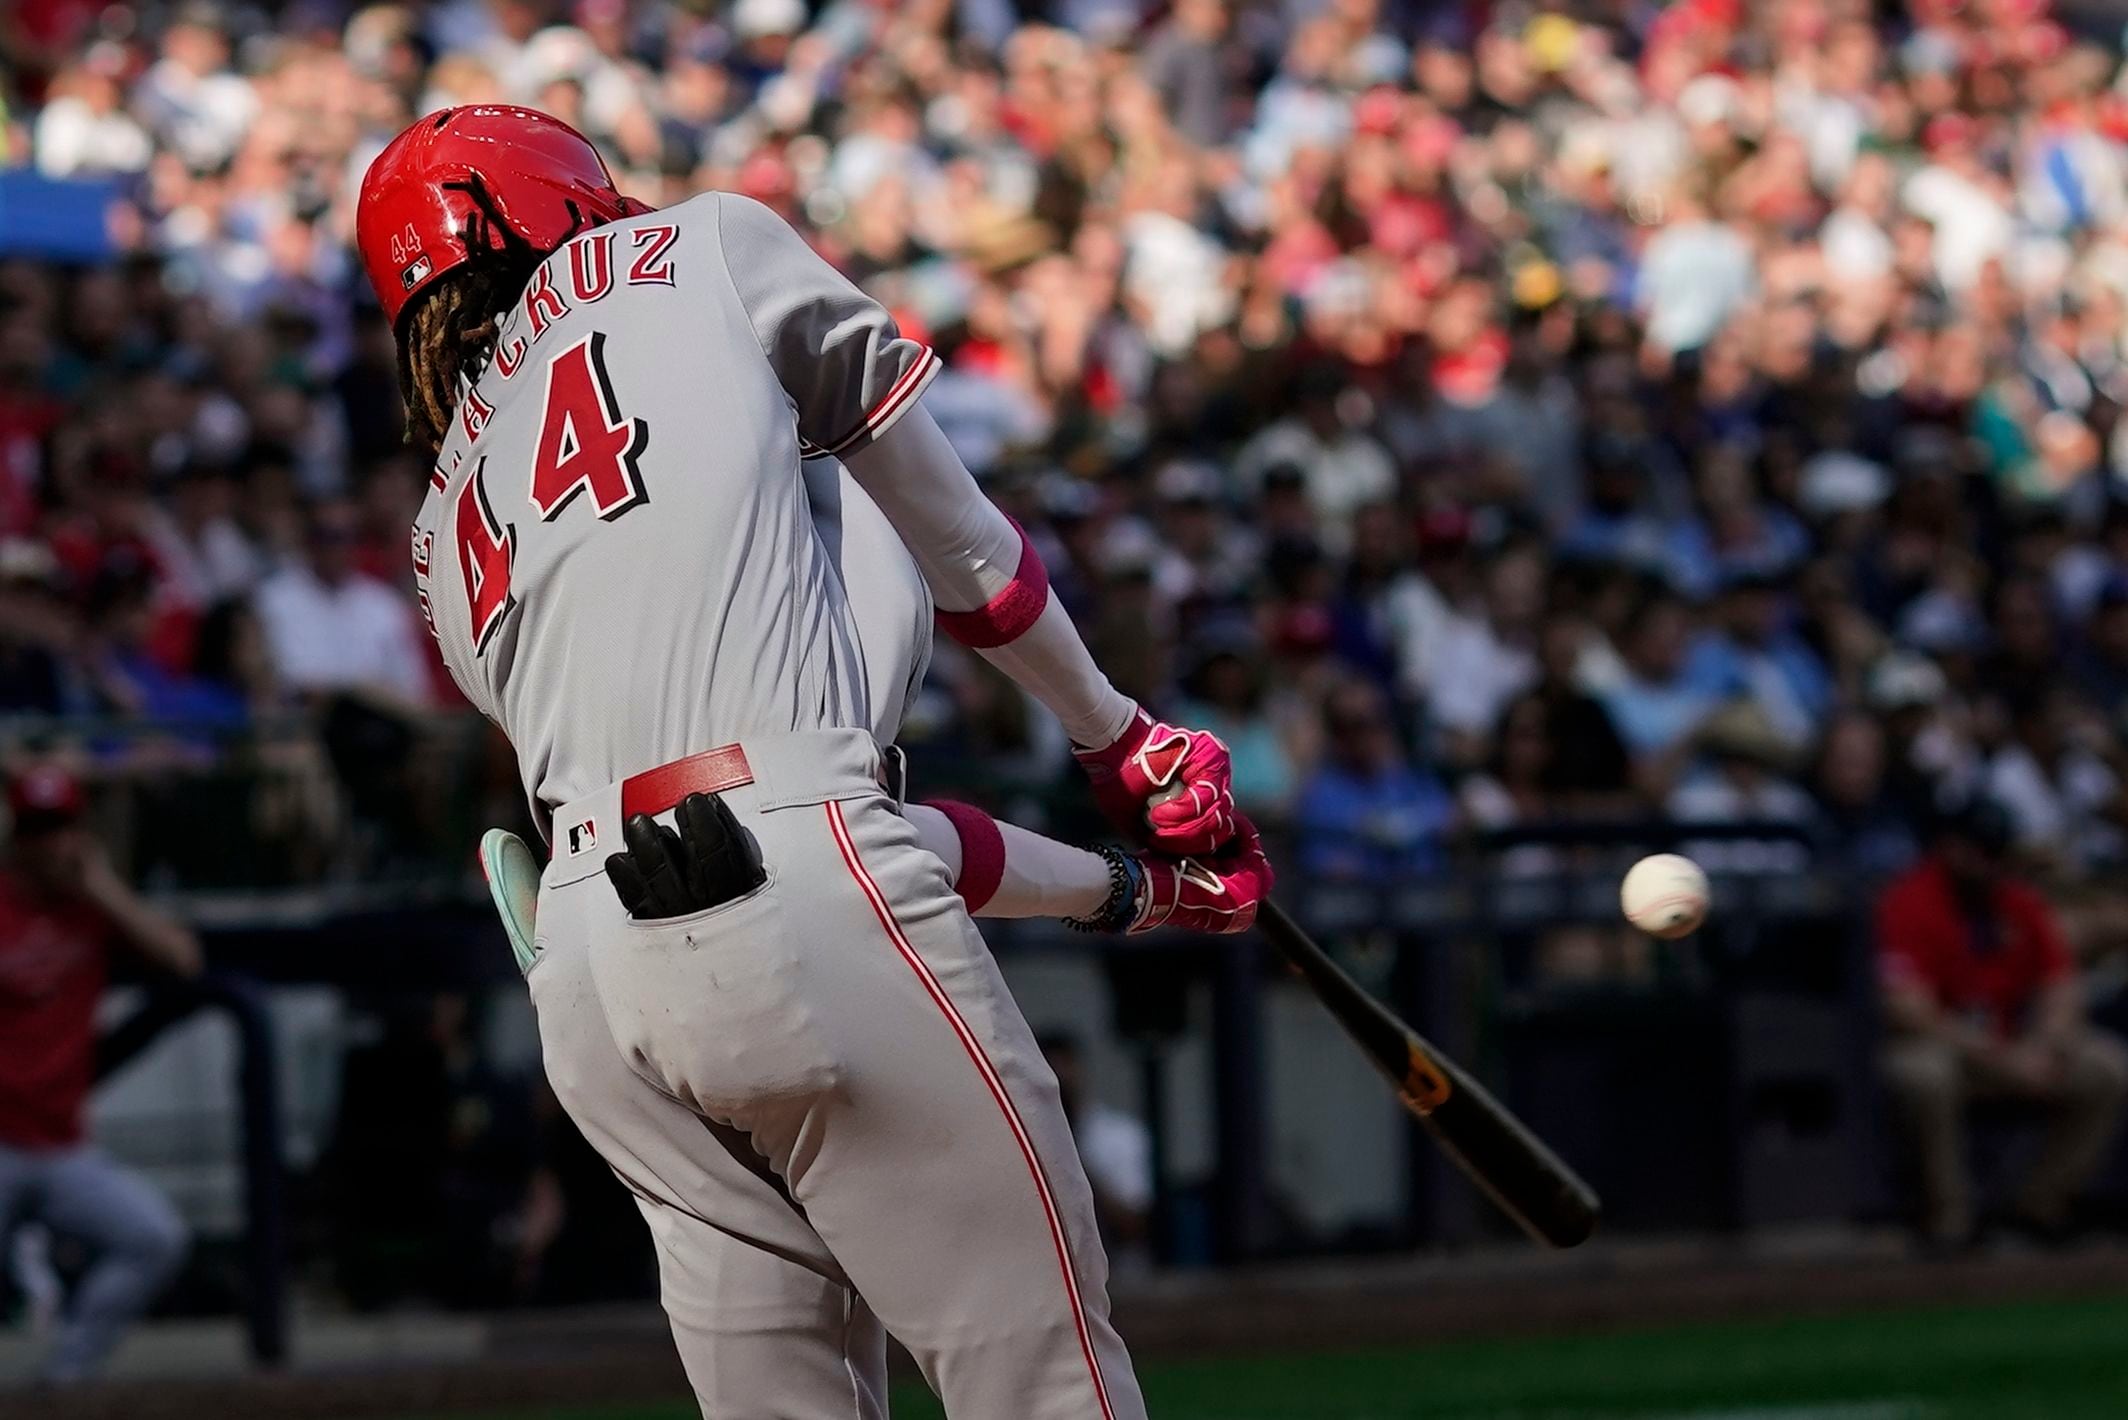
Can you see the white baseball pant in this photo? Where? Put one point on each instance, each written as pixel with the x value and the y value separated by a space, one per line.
pixel 831 1112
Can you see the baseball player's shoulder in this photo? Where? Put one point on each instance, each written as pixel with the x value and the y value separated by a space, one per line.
pixel 706 214
pixel 696 214
pixel 750 231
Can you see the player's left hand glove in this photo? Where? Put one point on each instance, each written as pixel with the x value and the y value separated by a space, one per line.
pixel 1170 787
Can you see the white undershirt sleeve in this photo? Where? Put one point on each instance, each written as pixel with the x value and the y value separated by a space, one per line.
pixel 972 556
pixel 1042 877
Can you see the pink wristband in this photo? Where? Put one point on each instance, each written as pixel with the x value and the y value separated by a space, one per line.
pixel 982 851
pixel 1010 613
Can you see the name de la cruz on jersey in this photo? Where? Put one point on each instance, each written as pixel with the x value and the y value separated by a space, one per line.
pixel 589 445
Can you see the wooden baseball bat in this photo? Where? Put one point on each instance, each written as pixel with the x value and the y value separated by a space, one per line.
pixel 1512 1166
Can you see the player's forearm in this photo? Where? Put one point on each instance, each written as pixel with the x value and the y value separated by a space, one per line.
pixel 992 591
pixel 1050 662
pixel 1002 870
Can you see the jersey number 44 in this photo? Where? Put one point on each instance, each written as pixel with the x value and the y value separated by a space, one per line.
pixel 586 446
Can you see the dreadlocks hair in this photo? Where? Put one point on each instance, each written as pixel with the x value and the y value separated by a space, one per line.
pixel 449 334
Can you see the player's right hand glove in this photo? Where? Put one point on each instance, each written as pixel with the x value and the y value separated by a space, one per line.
pixel 1166 786
pixel 709 861
pixel 1216 894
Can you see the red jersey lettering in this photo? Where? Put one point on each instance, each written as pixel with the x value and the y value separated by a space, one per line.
pixel 509 355
pixel 485 550
pixel 652 266
pixel 474 412
pixel 584 440
pixel 543 304
pixel 591 266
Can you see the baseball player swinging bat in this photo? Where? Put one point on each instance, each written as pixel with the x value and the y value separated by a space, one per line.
pixel 686 527
pixel 1494 1149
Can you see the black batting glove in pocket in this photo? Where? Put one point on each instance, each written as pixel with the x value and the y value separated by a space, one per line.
pixel 708 861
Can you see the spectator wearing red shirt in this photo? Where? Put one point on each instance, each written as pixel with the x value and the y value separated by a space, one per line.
pixel 61 909
pixel 1983 1001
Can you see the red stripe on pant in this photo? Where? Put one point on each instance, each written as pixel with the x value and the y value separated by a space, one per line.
pixel 969 1043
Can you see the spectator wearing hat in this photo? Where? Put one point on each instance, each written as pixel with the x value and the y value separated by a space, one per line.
pixel 1983 1001
pixel 198 543
pixel 1623 520
pixel 1928 744
pixel 62 910
pixel 1282 507
pixel 1388 617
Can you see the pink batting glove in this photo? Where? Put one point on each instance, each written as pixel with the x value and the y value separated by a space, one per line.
pixel 1170 787
pixel 1217 894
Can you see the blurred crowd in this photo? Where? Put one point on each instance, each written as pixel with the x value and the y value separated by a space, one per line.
pixel 1478 413
pixel 1482 415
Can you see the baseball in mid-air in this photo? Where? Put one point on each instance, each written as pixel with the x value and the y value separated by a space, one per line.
pixel 1665 895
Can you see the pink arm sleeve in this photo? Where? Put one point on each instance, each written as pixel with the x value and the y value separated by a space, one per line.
pixel 992 592
pixel 1004 871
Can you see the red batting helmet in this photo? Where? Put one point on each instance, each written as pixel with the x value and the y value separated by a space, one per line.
pixel 482 178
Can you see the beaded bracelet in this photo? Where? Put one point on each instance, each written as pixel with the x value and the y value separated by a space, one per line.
pixel 1120 908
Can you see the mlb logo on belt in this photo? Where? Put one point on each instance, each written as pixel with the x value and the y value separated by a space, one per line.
pixel 583 837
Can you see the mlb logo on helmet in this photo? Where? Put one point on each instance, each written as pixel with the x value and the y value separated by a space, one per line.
pixel 413 263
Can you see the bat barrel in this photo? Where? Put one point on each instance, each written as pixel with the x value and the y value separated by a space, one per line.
pixel 1511 1165
pixel 1507 1162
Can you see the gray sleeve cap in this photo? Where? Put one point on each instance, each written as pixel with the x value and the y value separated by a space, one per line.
pixel 848 371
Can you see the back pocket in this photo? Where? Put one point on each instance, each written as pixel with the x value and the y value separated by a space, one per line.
pixel 711 1008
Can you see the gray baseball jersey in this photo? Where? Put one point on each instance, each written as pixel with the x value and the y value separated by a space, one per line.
pixel 636 547
pixel 617 553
